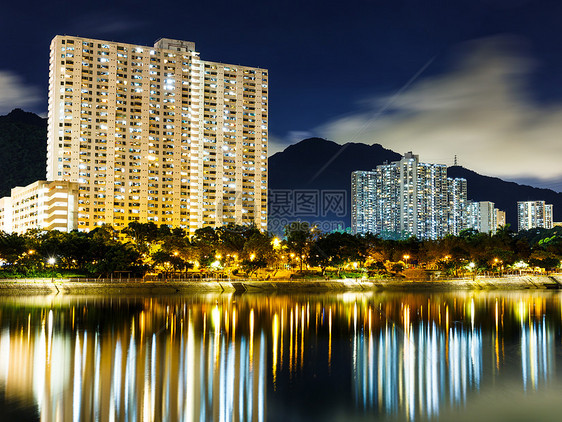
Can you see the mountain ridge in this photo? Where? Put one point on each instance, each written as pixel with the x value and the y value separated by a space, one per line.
pixel 23 149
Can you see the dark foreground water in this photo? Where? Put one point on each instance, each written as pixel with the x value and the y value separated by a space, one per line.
pixel 332 357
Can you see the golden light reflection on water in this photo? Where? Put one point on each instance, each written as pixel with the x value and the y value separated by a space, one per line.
pixel 219 357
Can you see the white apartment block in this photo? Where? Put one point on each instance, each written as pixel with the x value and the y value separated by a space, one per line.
pixel 532 214
pixel 404 198
pixel 484 217
pixel 362 201
pixel 458 205
pixel 41 205
pixel 157 134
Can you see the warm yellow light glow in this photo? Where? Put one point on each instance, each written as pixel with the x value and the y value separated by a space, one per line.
pixel 275 335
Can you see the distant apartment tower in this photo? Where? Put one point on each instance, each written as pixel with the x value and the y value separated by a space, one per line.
pixel 157 134
pixel 500 218
pixel 404 198
pixel 531 214
pixel 41 205
pixel 482 216
pixel 362 203
pixel 457 205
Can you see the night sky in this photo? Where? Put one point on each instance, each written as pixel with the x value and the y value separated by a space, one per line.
pixel 479 79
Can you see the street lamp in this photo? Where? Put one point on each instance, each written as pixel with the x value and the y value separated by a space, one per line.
pixel 51 261
pixel 406 257
pixel 471 266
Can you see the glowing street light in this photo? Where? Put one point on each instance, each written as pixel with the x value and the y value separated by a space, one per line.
pixel 51 261
pixel 471 266
pixel 406 257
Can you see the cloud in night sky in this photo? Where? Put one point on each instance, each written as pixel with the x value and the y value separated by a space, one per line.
pixel 480 110
pixel 103 24
pixel 14 93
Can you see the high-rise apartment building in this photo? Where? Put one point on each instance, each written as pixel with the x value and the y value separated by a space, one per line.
pixel 157 134
pixel 458 205
pixel 362 203
pixel 531 214
pixel 483 216
pixel 405 198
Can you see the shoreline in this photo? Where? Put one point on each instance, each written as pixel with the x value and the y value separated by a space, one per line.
pixel 70 287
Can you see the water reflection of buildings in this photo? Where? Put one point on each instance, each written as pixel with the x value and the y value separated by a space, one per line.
pixel 190 368
pixel 537 352
pixel 213 357
pixel 413 369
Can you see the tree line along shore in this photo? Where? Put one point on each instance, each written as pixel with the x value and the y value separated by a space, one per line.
pixel 148 251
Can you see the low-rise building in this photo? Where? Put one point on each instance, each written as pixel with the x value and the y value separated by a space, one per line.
pixel 44 205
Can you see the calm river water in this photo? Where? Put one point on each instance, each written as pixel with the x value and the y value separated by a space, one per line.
pixel 330 357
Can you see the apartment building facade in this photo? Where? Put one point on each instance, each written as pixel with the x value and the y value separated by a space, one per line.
pixel 406 198
pixel 533 214
pixel 41 205
pixel 157 134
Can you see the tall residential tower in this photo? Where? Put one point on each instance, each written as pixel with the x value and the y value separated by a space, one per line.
pixel 405 198
pixel 531 214
pixel 157 134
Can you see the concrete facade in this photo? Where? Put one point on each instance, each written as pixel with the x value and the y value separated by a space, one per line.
pixel 156 134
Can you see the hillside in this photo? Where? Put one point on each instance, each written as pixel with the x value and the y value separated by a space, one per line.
pixel 23 149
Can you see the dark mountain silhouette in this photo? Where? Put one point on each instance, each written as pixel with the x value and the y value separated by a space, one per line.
pixel 319 164
pixel 317 172
pixel 23 149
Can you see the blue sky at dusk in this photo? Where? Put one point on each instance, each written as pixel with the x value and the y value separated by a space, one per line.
pixel 479 79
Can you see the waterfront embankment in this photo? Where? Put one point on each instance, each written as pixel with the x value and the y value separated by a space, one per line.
pixel 165 287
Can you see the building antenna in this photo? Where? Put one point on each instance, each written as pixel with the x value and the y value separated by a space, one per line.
pixel 455 160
